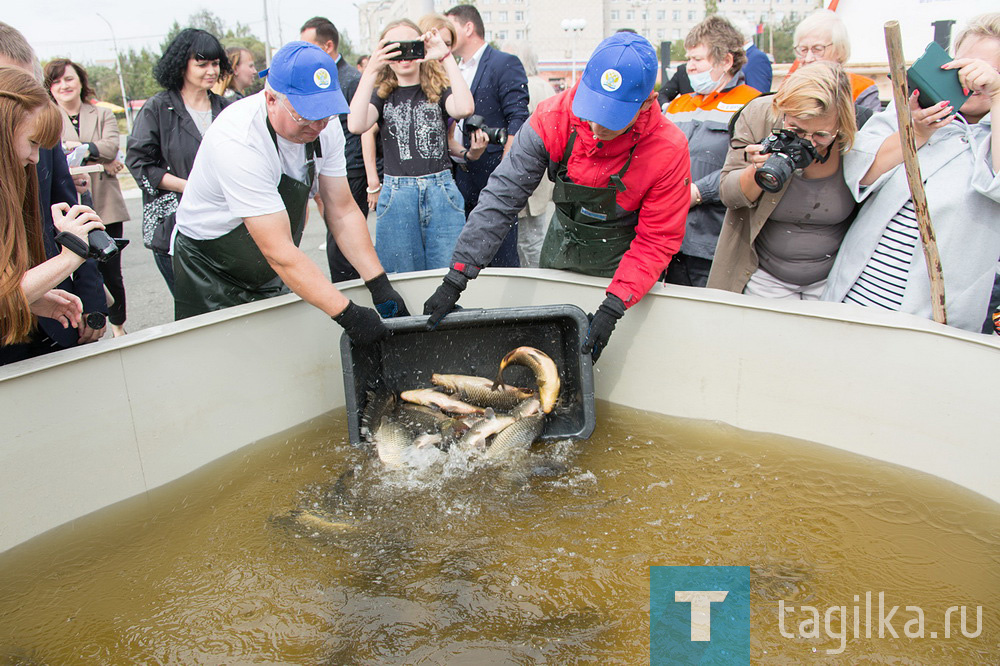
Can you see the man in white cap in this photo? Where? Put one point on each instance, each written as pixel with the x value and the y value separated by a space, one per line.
pixel 622 186
pixel 241 218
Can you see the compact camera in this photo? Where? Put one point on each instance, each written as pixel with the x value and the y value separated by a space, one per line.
pixel 787 153
pixel 410 50
pixel 497 135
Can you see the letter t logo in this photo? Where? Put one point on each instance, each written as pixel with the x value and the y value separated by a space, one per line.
pixel 701 610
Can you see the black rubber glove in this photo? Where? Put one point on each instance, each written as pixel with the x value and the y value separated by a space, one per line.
pixel 363 325
pixel 387 300
pixel 602 323
pixel 443 300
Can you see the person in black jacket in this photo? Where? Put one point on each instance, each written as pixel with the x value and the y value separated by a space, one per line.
pixel 676 85
pixel 168 131
pixel 500 89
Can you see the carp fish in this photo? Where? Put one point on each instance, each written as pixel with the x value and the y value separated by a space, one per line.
pixel 546 373
pixel 482 391
pixel 483 429
pixel 445 403
pixel 518 436
pixel 391 440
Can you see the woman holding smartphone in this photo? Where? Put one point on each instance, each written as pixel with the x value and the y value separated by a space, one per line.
pixel 420 212
pixel 881 262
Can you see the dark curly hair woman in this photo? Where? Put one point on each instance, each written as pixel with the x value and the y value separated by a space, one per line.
pixel 168 131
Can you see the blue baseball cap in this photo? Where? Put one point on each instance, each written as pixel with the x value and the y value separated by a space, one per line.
pixel 618 79
pixel 308 76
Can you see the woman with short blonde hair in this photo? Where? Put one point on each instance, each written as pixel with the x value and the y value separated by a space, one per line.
pixel 420 212
pixel 438 22
pixel 816 92
pixel 822 36
pixel 781 243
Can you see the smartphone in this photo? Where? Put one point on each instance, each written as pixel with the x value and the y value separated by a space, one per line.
pixel 935 84
pixel 410 50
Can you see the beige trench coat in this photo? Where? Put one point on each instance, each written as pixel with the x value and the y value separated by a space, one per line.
pixel 98 126
pixel 735 258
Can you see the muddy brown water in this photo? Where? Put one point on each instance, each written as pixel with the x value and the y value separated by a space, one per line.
pixel 541 561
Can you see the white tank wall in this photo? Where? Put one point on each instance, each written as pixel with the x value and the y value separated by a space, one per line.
pixel 86 428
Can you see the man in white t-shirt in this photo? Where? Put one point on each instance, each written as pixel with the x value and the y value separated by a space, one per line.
pixel 241 218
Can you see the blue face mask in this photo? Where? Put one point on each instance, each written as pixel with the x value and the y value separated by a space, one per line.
pixel 702 82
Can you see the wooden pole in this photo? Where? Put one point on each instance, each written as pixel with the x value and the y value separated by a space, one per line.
pixel 900 93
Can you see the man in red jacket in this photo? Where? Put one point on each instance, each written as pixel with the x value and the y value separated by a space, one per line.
pixel 622 186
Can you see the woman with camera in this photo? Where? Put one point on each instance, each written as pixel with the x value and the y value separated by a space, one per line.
pixel 881 262
pixel 168 132
pixel 420 212
pixel 28 120
pixel 783 185
pixel 96 128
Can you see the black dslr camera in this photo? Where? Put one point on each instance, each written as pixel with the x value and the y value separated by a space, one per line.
pixel 99 245
pixel 788 153
pixel 497 135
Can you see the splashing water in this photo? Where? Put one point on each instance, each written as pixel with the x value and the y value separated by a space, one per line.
pixel 542 559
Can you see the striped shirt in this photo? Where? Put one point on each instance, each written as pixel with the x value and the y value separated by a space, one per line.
pixel 883 281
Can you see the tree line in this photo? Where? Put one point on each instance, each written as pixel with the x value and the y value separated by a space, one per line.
pixel 137 65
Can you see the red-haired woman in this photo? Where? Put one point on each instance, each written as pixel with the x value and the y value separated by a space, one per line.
pixel 28 119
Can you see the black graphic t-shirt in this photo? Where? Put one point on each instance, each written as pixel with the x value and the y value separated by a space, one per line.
pixel 414 132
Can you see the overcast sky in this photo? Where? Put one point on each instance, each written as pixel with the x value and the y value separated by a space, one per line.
pixel 73 29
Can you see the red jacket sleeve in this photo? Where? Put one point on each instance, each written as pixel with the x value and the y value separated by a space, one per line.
pixel 660 230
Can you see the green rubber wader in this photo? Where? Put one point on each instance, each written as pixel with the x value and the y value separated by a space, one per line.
pixel 231 270
pixel 585 234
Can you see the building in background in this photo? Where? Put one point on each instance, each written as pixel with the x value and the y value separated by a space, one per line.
pixel 559 49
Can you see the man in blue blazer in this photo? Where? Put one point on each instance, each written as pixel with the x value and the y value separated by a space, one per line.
pixel 757 71
pixel 500 88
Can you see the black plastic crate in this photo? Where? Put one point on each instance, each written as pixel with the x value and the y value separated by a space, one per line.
pixel 473 342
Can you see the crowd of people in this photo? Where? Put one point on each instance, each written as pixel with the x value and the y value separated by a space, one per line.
pixel 460 148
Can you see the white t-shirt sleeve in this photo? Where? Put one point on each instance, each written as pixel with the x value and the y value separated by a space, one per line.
pixel 249 181
pixel 332 142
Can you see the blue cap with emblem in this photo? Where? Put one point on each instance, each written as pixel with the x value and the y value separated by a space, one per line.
pixel 618 79
pixel 308 76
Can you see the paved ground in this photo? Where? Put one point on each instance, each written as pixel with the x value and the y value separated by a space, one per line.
pixel 149 302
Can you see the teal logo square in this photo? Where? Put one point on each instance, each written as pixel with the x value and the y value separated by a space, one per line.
pixel 700 615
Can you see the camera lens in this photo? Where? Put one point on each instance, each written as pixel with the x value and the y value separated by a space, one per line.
pixel 102 245
pixel 773 175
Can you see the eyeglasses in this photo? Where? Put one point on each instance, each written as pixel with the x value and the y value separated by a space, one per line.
pixel 816 49
pixel 821 137
pixel 304 122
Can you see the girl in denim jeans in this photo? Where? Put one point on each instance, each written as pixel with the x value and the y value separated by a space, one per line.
pixel 420 211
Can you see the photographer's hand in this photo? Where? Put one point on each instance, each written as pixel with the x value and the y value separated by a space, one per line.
pixel 64 307
pixel 477 145
pixel 925 123
pixel 929 120
pixel 751 190
pixel 434 46
pixel 77 220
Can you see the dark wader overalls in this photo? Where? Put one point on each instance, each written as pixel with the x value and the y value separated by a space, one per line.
pixel 586 235
pixel 231 270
